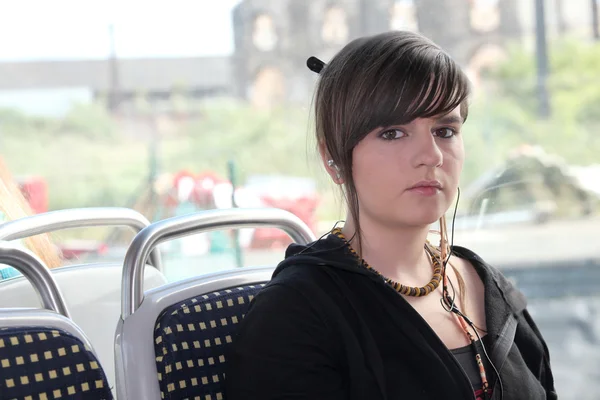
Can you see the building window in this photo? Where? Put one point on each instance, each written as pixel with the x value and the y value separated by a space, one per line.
pixel 485 15
pixel 335 26
pixel 403 16
pixel 268 88
pixel 264 34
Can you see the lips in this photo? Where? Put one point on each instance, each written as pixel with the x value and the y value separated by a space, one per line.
pixel 427 184
pixel 426 188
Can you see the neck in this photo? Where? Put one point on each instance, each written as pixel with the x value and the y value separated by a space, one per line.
pixel 396 252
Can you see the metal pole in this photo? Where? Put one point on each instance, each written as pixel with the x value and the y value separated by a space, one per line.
pixel 595 22
pixel 364 22
pixel 153 167
pixel 236 234
pixel 542 59
pixel 113 98
pixel 560 17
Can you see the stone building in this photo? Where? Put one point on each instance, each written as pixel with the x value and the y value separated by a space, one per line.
pixel 273 38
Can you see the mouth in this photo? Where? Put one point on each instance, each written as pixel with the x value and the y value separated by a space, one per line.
pixel 427 184
pixel 426 188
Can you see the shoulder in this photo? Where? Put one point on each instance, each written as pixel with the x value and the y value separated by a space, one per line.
pixel 298 288
pixel 294 291
pixel 473 263
pixel 485 270
pixel 299 275
pixel 280 301
pixel 496 284
pixel 503 299
pixel 313 272
pixel 284 312
pixel 302 293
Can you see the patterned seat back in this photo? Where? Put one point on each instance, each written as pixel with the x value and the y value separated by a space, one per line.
pixel 40 362
pixel 191 341
pixel 43 354
pixel 92 295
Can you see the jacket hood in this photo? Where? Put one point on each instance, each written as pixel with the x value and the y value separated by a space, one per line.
pixel 330 251
pixel 333 252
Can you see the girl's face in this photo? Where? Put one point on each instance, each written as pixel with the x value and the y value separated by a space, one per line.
pixel 407 175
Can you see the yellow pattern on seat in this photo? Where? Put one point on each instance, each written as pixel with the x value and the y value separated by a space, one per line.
pixel 192 339
pixel 39 363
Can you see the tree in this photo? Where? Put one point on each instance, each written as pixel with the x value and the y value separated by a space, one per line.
pixel 575 87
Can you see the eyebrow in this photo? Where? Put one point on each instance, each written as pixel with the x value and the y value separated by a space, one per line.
pixel 450 119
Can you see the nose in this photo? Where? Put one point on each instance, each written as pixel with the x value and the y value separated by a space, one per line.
pixel 428 152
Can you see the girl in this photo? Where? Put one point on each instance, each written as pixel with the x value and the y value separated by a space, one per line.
pixel 373 310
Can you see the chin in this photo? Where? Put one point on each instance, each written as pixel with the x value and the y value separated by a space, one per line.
pixel 427 221
pixel 413 215
pixel 422 219
pixel 415 221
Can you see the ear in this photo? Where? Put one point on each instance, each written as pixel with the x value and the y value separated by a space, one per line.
pixel 332 169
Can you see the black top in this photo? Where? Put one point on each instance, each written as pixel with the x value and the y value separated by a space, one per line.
pixel 466 358
pixel 326 328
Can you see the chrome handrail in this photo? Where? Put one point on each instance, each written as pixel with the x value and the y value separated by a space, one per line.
pixel 77 218
pixel 132 293
pixel 34 270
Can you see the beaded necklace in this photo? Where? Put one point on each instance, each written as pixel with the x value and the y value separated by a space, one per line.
pixel 433 284
pixel 439 275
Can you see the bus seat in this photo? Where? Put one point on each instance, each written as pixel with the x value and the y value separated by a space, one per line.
pixel 43 354
pixel 92 291
pixel 192 338
pixel 171 341
pixel 167 341
pixel 92 294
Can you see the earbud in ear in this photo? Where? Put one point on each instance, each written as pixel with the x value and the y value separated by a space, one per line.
pixel 332 164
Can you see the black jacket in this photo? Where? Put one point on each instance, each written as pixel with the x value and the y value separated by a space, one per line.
pixel 325 328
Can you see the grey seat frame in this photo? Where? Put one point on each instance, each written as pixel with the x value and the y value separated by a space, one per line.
pixel 77 218
pixel 135 358
pixel 92 294
pixel 73 279
pixel 54 313
pixel 136 365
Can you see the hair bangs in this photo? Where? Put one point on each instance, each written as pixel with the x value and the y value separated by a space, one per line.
pixel 431 85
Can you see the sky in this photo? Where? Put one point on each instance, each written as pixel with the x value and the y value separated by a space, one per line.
pixel 79 29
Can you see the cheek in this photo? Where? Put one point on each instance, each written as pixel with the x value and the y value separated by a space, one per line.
pixel 455 158
pixel 376 174
pixel 366 168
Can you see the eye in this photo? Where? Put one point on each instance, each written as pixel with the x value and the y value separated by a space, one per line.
pixel 392 134
pixel 445 133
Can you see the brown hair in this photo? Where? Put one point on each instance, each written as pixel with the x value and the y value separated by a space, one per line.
pixel 14 206
pixel 377 81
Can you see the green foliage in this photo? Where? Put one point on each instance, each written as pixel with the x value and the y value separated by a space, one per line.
pixel 84 120
pixel 89 120
pixel 573 80
pixel 17 124
pixel 79 172
pixel 275 142
pixel 509 110
pixel 86 161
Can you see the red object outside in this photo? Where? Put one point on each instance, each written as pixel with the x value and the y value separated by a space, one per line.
pixel 303 207
pixel 73 250
pixel 35 191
